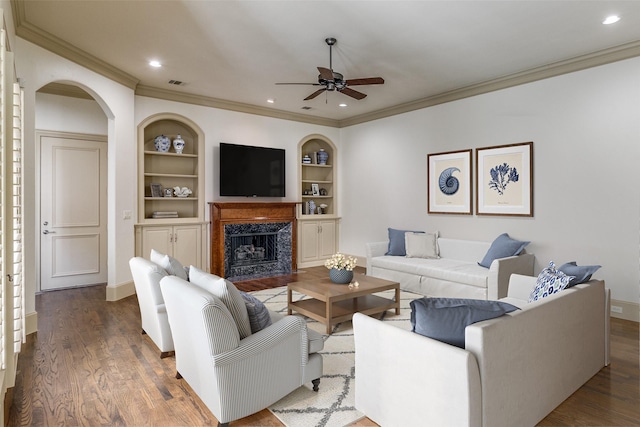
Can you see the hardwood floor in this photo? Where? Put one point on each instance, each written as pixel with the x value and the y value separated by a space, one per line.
pixel 88 365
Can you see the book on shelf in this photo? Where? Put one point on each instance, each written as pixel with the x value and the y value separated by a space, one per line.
pixel 161 214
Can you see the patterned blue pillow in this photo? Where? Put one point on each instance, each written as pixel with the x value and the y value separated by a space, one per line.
pixel 582 273
pixel 258 314
pixel 550 280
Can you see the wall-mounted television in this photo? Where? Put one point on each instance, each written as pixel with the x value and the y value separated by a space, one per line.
pixel 250 171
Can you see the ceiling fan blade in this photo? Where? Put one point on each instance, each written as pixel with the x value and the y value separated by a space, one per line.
pixel 353 93
pixel 366 81
pixel 306 84
pixel 325 73
pixel 314 94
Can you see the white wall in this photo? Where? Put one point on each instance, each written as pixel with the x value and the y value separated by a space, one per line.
pixel 586 147
pixel 65 114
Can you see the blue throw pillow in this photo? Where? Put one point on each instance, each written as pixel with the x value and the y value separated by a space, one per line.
pixel 444 319
pixel 582 273
pixel 550 280
pixel 258 314
pixel 503 246
pixel 396 242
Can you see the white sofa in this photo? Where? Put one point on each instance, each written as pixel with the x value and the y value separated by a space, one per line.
pixel 513 371
pixel 456 274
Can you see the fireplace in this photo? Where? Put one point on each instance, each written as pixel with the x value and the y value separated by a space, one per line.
pixel 252 240
pixel 257 250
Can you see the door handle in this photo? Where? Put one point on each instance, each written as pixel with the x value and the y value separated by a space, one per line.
pixel 48 232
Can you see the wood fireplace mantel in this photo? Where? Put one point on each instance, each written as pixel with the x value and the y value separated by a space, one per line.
pixel 222 213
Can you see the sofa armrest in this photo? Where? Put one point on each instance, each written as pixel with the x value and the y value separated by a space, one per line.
pixel 406 379
pixel 520 286
pixel 501 270
pixel 375 249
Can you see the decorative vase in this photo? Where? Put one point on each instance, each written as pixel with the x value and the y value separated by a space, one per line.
pixel 178 144
pixel 341 277
pixel 323 156
pixel 312 207
pixel 162 143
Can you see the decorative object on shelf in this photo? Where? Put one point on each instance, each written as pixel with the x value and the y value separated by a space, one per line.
pixel 323 192
pixel 168 192
pixel 178 144
pixel 182 191
pixel 315 189
pixel 322 209
pixel 341 268
pixel 162 143
pixel 323 157
pixel 156 190
pixel 312 207
pixel 306 159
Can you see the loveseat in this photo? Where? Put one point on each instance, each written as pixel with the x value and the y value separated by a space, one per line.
pixel 513 370
pixel 455 273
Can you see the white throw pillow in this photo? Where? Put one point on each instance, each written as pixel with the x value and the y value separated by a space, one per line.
pixel 227 293
pixel 169 263
pixel 421 245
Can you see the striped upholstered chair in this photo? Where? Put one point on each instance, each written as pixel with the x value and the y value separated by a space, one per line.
pixel 236 377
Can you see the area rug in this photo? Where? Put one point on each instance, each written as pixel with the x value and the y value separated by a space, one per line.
pixel 334 404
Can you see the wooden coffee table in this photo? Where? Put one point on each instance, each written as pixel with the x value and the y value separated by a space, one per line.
pixel 330 303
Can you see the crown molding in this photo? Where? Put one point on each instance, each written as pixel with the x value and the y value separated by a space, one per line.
pixel 602 57
pixel 48 41
pixel 206 101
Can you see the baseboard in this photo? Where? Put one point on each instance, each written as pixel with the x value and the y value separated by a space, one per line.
pixel 625 310
pixel 118 292
pixel 31 323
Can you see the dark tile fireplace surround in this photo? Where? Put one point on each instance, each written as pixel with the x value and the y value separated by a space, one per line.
pixel 252 240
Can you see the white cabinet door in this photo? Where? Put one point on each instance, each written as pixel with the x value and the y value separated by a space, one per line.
pixel 187 245
pixel 158 238
pixel 327 239
pixel 308 241
pixel 317 241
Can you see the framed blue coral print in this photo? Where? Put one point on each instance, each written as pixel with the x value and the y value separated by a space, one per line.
pixel 449 187
pixel 504 180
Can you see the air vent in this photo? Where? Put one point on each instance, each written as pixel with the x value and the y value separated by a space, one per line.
pixel 176 83
pixel 306 108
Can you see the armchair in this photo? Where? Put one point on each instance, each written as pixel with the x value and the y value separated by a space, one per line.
pixel 235 377
pixel 155 323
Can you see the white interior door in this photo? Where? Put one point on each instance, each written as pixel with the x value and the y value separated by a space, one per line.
pixel 73 211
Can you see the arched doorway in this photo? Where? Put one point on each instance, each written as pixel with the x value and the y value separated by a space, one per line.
pixel 71 138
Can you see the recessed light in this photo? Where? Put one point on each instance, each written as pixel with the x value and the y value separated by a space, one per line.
pixel 342 105
pixel 155 64
pixel 271 100
pixel 611 20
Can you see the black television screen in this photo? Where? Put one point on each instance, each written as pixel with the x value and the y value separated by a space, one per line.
pixel 251 171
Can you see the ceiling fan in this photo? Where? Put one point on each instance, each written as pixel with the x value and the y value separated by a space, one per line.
pixel 332 80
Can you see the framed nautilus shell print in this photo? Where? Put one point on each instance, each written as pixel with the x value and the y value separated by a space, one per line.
pixel 449 183
pixel 504 182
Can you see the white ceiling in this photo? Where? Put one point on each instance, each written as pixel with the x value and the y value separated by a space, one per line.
pixel 237 50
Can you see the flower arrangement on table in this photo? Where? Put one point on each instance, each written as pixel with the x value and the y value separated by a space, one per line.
pixel 341 268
